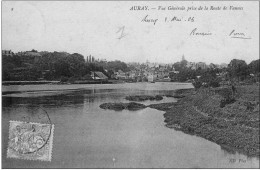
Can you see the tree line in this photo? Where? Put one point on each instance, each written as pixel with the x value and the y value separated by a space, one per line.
pixel 54 66
pixel 236 71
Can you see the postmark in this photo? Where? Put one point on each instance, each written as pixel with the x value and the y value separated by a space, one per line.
pixel 31 141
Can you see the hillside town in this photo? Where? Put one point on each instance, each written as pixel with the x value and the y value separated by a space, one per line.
pixel 46 66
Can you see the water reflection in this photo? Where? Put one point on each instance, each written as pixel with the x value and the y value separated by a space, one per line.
pixel 56 100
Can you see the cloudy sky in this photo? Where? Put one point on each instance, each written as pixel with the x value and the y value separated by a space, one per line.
pixel 94 28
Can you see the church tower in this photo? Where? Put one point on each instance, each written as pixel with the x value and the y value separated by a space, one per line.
pixel 183 58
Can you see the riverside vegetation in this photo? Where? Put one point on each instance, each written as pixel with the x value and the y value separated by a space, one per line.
pixel 234 126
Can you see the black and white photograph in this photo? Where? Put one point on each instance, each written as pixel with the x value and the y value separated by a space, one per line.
pixel 130 85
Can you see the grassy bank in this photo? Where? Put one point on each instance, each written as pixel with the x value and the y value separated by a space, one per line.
pixel 234 127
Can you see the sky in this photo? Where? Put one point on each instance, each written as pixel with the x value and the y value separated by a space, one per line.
pixel 96 27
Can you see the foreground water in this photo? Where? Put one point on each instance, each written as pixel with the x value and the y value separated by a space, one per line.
pixel 86 136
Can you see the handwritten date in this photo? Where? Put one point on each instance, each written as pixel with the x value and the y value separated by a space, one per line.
pixel 149 19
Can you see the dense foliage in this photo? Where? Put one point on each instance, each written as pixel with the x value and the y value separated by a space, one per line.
pixel 238 69
pixel 48 66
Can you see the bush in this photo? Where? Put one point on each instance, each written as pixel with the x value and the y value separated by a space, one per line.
pixel 158 97
pixel 197 84
pixel 73 79
pixel 228 98
pixel 214 83
pixel 226 101
pixel 64 79
pixel 87 77
pixel 226 93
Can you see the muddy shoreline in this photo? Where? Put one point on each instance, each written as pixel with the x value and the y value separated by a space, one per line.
pixel 234 127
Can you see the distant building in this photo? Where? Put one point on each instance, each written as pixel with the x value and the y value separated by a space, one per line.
pixel 213 66
pixel 151 78
pixel 30 56
pixel 223 65
pixel 201 65
pixel 121 75
pixel 132 75
pixel 174 75
pixel 191 65
pixel 7 52
pixel 31 53
pixel 97 75
pixel 183 58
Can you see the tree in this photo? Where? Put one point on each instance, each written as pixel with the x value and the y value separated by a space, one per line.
pixel 7 68
pixel 238 69
pixel 254 67
pixel 117 65
pixel 33 50
pixel 75 64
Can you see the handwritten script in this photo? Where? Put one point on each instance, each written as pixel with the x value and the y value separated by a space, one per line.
pixel 188 15
pixel 121 32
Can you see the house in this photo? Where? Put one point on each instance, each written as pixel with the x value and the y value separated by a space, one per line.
pixel 97 75
pixel 213 66
pixel 29 53
pixel 7 52
pixel 201 65
pixel 121 75
pixel 191 65
pixel 151 78
pixel 223 65
pixel 30 56
pixel 132 75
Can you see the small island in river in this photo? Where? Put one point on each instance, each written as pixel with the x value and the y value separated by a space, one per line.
pixel 143 97
pixel 122 106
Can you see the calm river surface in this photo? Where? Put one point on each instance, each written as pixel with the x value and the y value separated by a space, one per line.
pixel 87 136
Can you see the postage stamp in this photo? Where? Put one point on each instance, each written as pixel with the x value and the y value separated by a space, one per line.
pixel 32 141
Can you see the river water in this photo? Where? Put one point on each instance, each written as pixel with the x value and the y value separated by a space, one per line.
pixel 86 136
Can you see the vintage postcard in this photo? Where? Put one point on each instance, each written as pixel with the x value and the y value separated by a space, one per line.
pixel 129 84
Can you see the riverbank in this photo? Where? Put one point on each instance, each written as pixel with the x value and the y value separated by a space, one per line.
pixel 235 127
pixel 7 83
